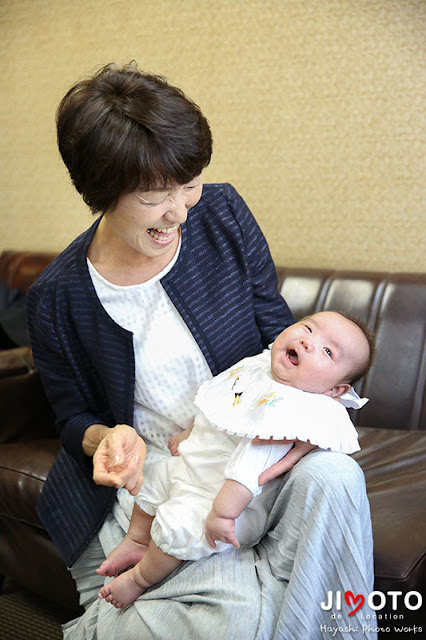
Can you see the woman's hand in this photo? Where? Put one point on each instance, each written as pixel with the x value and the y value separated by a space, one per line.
pixel 119 459
pixel 175 441
pixel 295 454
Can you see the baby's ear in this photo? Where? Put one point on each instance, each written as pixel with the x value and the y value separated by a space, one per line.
pixel 339 390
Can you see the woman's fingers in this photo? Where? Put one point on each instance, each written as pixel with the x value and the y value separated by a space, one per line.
pixel 130 477
pixel 270 440
pixel 108 478
pixel 121 442
pixel 119 459
pixel 299 450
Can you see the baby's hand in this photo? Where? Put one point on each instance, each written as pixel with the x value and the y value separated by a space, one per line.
pixel 218 528
pixel 175 441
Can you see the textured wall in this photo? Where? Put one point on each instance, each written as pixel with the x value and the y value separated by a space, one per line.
pixel 316 106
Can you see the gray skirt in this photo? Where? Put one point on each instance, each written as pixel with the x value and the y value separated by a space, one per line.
pixel 318 540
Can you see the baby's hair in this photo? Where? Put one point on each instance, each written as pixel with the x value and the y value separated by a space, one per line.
pixel 365 365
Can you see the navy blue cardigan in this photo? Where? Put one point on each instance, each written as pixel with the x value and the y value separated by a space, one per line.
pixel 223 284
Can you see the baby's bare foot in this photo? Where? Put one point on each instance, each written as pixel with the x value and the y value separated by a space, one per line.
pixel 124 590
pixel 127 554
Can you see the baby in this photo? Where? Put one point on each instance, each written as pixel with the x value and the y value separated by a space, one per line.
pixel 208 497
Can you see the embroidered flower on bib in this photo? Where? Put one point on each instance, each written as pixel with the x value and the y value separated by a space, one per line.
pixel 270 399
pixel 234 372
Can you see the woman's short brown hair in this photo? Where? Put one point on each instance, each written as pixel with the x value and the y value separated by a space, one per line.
pixel 122 129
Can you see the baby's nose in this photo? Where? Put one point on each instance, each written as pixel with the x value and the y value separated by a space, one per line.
pixel 307 344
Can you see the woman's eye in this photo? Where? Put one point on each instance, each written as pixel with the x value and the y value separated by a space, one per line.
pixel 328 351
pixel 151 203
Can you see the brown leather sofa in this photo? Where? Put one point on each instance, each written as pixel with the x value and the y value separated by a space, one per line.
pixel 391 427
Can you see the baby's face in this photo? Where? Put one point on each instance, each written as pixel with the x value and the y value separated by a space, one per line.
pixel 318 353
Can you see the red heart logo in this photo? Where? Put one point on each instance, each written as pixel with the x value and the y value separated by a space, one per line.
pixel 348 596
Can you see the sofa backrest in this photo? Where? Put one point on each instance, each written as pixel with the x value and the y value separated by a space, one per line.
pixel 393 305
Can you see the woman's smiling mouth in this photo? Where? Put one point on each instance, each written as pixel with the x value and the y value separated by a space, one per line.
pixel 163 235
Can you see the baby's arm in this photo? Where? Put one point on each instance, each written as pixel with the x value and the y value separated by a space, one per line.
pixel 229 503
pixel 175 441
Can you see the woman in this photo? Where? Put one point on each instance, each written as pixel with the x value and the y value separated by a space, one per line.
pixel 125 324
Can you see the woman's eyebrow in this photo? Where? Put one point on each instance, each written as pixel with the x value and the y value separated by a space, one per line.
pixel 158 189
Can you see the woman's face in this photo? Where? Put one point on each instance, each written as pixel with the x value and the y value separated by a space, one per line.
pixel 148 222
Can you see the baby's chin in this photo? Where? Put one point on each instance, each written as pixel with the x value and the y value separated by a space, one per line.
pixel 303 385
pixel 286 380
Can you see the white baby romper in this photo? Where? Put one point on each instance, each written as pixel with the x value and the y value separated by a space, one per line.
pixel 234 407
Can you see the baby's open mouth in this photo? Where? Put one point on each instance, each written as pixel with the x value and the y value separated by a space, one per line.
pixel 292 357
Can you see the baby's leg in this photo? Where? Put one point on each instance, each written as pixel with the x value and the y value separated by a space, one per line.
pixel 134 546
pixel 154 567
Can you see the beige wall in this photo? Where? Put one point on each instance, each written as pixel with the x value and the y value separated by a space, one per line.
pixel 316 106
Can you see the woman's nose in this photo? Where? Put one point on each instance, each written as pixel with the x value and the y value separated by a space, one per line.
pixel 177 211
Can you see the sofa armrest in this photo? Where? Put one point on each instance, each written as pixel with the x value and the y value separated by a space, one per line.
pixel 19 269
pixel 25 412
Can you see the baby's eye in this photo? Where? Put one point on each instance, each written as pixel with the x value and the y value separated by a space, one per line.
pixel 308 328
pixel 328 351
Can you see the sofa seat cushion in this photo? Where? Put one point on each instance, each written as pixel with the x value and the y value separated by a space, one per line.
pixel 15 362
pixel 24 466
pixel 394 463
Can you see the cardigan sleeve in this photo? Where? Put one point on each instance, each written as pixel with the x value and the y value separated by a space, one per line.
pixel 272 312
pixel 65 395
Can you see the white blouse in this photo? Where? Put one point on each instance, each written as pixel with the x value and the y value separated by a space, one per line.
pixel 169 364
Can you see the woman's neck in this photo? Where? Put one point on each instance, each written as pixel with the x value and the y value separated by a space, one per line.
pixel 120 264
